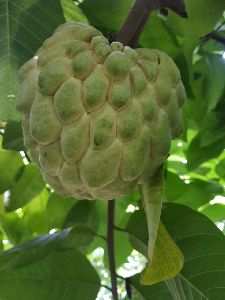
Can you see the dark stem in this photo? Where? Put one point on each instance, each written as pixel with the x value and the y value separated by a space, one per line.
pixel 138 16
pixel 217 37
pixel 111 249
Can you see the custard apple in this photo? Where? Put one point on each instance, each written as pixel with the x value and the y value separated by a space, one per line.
pixel 98 117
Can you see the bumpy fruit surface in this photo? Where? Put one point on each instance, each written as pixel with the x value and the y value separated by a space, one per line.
pixel 98 118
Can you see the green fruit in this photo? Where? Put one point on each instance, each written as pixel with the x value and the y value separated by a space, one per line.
pixel 98 118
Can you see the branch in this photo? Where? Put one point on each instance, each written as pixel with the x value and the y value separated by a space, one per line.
pixel 138 16
pixel 111 249
pixel 213 36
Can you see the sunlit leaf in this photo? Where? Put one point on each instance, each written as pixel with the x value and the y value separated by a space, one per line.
pixel 24 27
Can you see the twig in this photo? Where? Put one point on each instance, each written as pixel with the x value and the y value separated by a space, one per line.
pixel 101 237
pixel 138 16
pixel 119 228
pixel 214 35
pixel 106 287
pixel 111 249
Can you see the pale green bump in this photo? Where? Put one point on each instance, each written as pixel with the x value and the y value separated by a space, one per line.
pixel 70 24
pixel 103 127
pixel 69 176
pixel 29 142
pixel 163 87
pixel 60 36
pixel 129 122
pixel 75 139
pixel 98 40
pixel 138 80
pixel 149 104
pixel 116 46
pixel 150 68
pixel 74 47
pixel 86 34
pixel 136 155
pixel 27 93
pixel 181 95
pixel 119 94
pixel 34 154
pixel 170 67
pixel 160 131
pixel 51 158
pixel 115 189
pixel 95 89
pixel 117 65
pixel 101 52
pixel 100 167
pixel 149 54
pixel 55 183
pixel 83 64
pixel 44 124
pixel 50 54
pixel 151 169
pixel 53 75
pixel 131 53
pixel 26 68
pixel 174 116
pixel 68 101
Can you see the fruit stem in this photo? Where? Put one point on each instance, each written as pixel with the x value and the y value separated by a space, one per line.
pixel 138 16
pixel 111 249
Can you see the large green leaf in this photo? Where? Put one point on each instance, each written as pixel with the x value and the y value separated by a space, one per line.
pixel 157 35
pixel 56 210
pixel 203 15
pixel 61 275
pixel 83 211
pixel 13 137
pixel 216 212
pixel 108 15
pixel 10 163
pixel 213 85
pixel 36 249
pixel 151 193
pixel 203 246
pixel 72 12
pixel 24 27
pixel 34 213
pixel 167 260
pixel 26 188
pixel 195 194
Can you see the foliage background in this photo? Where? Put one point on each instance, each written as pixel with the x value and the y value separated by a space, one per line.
pixel 50 239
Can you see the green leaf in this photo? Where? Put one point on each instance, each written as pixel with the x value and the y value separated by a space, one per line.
pixel 35 213
pixel 195 194
pixel 213 85
pixel 83 211
pixel 216 212
pixel 196 154
pixel 72 12
pixel 151 193
pixel 167 260
pixel 109 15
pixel 220 168
pixel 26 188
pixel 13 137
pixel 157 35
pixel 40 247
pixel 10 163
pixel 56 210
pixel 203 246
pixel 62 275
pixel 15 228
pixel 24 27
pixel 203 15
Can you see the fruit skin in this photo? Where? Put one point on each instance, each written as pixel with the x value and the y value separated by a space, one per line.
pixel 98 118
